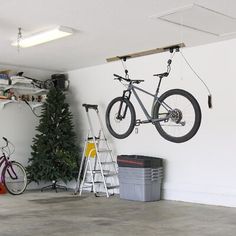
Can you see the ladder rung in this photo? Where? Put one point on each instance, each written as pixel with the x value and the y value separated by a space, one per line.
pixel 113 187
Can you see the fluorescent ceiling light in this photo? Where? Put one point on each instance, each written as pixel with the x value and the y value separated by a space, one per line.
pixel 44 37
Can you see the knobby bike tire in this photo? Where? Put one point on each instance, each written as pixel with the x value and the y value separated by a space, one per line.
pixel 197 111
pixel 11 191
pixel 130 106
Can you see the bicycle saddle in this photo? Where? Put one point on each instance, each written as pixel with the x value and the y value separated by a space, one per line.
pixel 161 75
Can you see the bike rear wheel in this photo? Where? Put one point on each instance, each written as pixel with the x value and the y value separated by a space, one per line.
pixel 48 84
pixel 182 113
pixel 15 178
pixel 120 117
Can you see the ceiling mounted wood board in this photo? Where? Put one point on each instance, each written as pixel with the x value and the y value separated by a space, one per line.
pixel 145 53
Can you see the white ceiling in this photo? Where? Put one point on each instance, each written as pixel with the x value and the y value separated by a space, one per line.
pixel 105 28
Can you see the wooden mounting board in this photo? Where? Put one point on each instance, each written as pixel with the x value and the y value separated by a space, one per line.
pixel 145 53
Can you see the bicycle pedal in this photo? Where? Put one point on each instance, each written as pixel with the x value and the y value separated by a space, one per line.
pixel 136 130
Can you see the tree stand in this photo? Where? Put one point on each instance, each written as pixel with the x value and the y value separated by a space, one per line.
pixel 54 186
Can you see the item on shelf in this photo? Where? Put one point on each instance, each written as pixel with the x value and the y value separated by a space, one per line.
pixel 5 77
pixel 20 79
pixel 4 81
pixel 22 97
pixel 39 98
pixel 27 97
pixel 22 89
pixel 43 97
pixel 9 93
pixel 60 81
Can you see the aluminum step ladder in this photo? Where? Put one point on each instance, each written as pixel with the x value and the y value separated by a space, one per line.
pixel 98 170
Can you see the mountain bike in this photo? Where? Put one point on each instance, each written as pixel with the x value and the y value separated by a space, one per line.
pixel 46 84
pixel 13 174
pixel 176 114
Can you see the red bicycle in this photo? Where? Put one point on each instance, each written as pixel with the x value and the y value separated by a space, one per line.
pixel 13 174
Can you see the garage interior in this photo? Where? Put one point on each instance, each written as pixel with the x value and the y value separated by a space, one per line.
pixel 197 190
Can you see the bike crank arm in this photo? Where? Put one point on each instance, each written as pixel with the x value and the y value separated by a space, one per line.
pixel 139 122
pixel 160 119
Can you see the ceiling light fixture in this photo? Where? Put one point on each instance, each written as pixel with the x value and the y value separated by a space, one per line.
pixel 43 37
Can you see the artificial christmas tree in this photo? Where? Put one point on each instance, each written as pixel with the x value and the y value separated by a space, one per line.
pixel 54 153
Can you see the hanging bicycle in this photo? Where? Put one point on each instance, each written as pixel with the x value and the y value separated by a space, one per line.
pixel 176 114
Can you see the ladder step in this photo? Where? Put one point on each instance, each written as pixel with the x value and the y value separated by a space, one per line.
pixel 104 150
pixel 91 138
pixel 108 163
pixel 97 171
pixel 86 186
pixel 95 182
pixel 113 187
pixel 96 139
pixel 106 173
pixel 111 173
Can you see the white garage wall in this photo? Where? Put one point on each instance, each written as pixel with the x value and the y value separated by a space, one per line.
pixel 203 169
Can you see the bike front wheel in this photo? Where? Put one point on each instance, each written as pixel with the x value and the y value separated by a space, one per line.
pixel 120 117
pixel 179 114
pixel 15 178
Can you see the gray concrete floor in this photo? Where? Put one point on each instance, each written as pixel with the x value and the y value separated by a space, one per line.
pixel 57 214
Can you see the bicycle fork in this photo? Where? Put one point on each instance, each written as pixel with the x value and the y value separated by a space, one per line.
pixel 126 95
pixel 11 172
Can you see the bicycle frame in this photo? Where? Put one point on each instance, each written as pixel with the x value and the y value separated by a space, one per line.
pixel 132 89
pixel 4 160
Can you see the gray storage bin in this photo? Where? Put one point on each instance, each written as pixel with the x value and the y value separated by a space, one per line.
pixel 141 184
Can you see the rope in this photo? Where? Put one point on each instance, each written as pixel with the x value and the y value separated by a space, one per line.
pixel 197 75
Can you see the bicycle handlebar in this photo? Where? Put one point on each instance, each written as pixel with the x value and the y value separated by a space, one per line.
pixel 5 139
pixel 120 78
pixel 7 142
pixel 128 80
